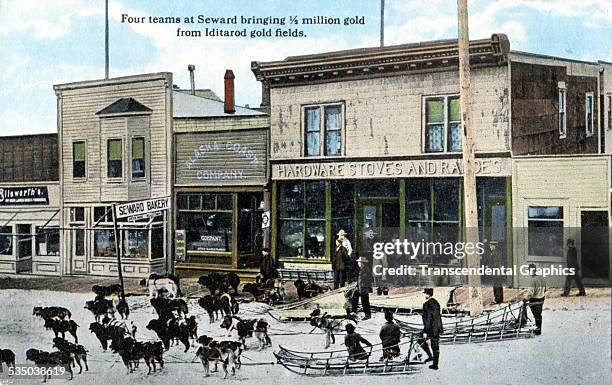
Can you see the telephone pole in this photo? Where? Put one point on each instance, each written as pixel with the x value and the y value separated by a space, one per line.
pixel 106 59
pixel 382 23
pixel 469 176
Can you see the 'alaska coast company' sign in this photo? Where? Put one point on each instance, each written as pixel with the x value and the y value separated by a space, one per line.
pixel 389 169
pixel 15 196
pixel 229 158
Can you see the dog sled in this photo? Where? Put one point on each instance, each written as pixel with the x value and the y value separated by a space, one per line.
pixel 505 323
pixel 340 363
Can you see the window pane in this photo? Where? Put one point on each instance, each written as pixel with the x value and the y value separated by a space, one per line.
pixel 333 143
pixel 224 201
pixel 209 231
pixel 136 243
pixel 182 201
pixel 435 111
pixel 313 119
pixel 24 241
pixel 291 200
pixel 342 200
pixel 454 110
pixel 208 201
pixel 313 144
pixel 545 238
pixel 540 212
pixel 418 199
pixel 104 243
pixel 6 240
pixel 333 117
pixel 138 160
pixel 47 241
pixel 315 200
pixel 315 239
pixel 245 222
pixel 77 214
pixel 446 199
pixel 78 161
pixel 79 151
pixel 290 238
pixel 195 201
pixel 79 242
pixel 434 138
pixel 103 214
pixel 378 188
pixel 157 243
pixel 114 157
pixel 114 149
pixel 137 148
pixel 454 137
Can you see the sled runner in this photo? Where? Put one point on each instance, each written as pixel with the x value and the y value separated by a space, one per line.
pixel 501 324
pixel 340 363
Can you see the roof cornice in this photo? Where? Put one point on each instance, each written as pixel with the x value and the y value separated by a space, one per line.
pixel 357 63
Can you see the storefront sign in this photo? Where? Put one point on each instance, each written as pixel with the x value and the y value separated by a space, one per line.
pixel 142 208
pixel 265 220
pixel 389 169
pixel 179 246
pixel 227 158
pixel 17 196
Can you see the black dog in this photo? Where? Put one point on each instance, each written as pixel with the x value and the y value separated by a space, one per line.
pixel 52 312
pixel 309 290
pixel 46 360
pixel 169 330
pixel 123 309
pixel 106 291
pixel 245 328
pixel 163 305
pixel 100 307
pixel 76 352
pixel 7 357
pixel 62 326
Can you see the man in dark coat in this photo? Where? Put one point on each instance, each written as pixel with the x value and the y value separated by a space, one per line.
pixel 340 260
pixel 364 285
pixel 390 335
pixel 353 342
pixel 267 265
pixel 572 262
pixel 432 328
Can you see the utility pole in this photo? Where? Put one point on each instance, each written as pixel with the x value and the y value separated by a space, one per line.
pixel 469 176
pixel 382 23
pixel 106 59
pixel 118 251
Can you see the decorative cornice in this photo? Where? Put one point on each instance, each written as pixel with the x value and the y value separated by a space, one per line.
pixel 364 62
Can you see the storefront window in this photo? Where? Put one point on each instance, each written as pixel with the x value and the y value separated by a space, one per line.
pixel 249 222
pixel 6 240
pixel 432 215
pixel 378 188
pixel 157 242
pixel 207 219
pixel 545 231
pixel 302 220
pixel 47 241
pixel 136 243
pixel 104 243
pixel 343 208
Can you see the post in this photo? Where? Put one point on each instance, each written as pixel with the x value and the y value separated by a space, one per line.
pixel 469 176
pixel 118 251
pixel 106 58
pixel 382 23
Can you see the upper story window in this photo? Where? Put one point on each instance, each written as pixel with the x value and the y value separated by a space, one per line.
pixel 589 115
pixel 114 158
pixel 562 121
pixel 442 124
pixel 323 130
pixel 138 158
pixel 78 160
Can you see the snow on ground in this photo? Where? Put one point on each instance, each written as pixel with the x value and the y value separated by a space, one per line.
pixel 573 349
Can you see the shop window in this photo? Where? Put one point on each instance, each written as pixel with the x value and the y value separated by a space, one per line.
pixel 136 243
pixel 589 115
pixel 343 207
pixel 378 188
pixel 79 160
pixel 207 221
pixel 545 231
pixel 442 124
pixel 6 240
pixel 302 220
pixel 249 223
pixel 24 241
pixel 432 215
pixel 104 243
pixel 114 158
pixel 103 214
pixel 323 130
pixel 138 158
pixel 562 122
pixel 157 242
pixel 47 240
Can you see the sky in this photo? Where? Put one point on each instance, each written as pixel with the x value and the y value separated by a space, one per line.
pixel 46 42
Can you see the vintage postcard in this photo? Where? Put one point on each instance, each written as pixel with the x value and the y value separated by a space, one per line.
pixel 308 192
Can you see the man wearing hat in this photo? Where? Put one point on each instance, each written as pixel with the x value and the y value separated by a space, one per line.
pixel 341 258
pixel 353 342
pixel 267 265
pixel 364 285
pixel 432 328
pixel 390 335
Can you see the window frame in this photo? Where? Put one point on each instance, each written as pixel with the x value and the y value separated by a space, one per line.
pixel 108 160
pixel 536 204
pixel 589 126
pixel 45 235
pixel 562 112
pixel 144 158
pixel 84 177
pixel 323 129
pixel 446 123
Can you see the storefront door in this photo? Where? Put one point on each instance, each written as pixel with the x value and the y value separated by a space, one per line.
pixel 24 249
pixel 594 245
pixel 378 215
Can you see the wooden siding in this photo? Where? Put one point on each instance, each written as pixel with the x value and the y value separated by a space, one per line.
pixel 31 158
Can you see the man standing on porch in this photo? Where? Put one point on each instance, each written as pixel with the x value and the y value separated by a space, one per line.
pixel 341 259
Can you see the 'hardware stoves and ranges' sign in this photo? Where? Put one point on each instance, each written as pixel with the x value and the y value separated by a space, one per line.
pixel 17 196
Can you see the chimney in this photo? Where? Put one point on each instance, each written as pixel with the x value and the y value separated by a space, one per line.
pixel 191 68
pixel 229 92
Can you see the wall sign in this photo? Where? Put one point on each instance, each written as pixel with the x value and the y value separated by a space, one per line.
pixel 222 158
pixel 18 196
pixel 388 169
pixel 265 220
pixel 179 246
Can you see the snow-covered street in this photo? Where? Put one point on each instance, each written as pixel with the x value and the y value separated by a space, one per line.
pixel 573 349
